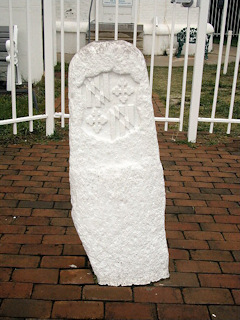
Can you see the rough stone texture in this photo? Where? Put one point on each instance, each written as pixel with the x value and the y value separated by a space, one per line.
pixel 116 178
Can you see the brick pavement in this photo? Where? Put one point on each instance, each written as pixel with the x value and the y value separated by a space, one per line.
pixel 45 273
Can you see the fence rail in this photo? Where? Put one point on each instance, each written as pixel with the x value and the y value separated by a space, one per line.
pixel 50 51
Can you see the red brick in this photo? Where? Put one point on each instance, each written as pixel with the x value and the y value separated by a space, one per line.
pixel 225 312
pixel 231 197
pixel 54 197
pixel 72 250
pixel 190 203
pixel 230 267
pixel 8 203
pixel 184 189
pixel 62 262
pixel 219 281
pixel 45 230
pixel 236 296
pixel 178 254
pixel 130 311
pixel 41 249
pixel 188 244
pixel 222 204
pixel 224 245
pixel 95 292
pixel 51 168
pixel 181 226
pixel 234 211
pixel 227 219
pixel 197 266
pixel 65 222
pixel 11 189
pixel 15 261
pixel 236 255
pixel 71 230
pixel 12 229
pixel 199 185
pixel 9 248
pixel 203 235
pixel 56 292
pixel 207 296
pixel 35 204
pixel 78 276
pixel 221 227
pixel 178 279
pixel 36 275
pixel 62 239
pixel 206 210
pixel 157 295
pixel 15 290
pixel 182 312
pixel 21 238
pixel 26 183
pixel 41 190
pixel 172 195
pixel 202 196
pixel 174 234
pixel 231 236
pixel 28 308
pixel 211 255
pixel 32 221
pixel 74 309
pixel 21 196
pixel 17 212
pixel 5 274
pixel 195 218
pixel 49 213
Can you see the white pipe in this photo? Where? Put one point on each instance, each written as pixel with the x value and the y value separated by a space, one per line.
pixel 153 45
pixel 219 63
pixel 219 120
pixel 49 66
pixel 23 119
pixel 97 21
pixel 30 98
pixel 229 39
pixel 78 25
pixel 170 67
pixel 62 66
pixel 13 85
pixel 135 23
pixel 185 72
pixel 198 71
pixel 234 84
pixel 116 21
pixel 164 119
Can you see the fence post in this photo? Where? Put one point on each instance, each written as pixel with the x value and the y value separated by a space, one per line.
pixel 198 71
pixel 49 65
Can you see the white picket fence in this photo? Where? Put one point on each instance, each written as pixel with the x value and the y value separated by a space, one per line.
pixel 49 37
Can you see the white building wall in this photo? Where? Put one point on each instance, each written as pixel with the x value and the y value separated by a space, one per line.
pixel 126 15
pixel 20 19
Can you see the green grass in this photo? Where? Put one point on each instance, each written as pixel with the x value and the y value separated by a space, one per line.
pixel 207 93
pixel 23 134
pixel 159 87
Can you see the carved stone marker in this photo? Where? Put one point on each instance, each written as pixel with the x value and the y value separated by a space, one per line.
pixel 116 178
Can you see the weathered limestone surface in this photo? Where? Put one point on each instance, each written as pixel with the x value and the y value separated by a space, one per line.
pixel 116 178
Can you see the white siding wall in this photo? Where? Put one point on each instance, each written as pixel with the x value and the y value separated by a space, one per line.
pixel 19 18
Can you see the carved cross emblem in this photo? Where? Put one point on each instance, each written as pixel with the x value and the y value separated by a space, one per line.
pixel 123 90
pixel 96 120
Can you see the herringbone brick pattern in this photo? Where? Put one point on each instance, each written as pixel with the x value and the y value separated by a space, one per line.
pixel 45 273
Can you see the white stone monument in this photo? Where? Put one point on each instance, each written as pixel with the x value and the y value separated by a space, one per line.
pixel 116 178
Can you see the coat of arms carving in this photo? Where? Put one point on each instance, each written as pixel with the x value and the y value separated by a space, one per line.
pixel 109 106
